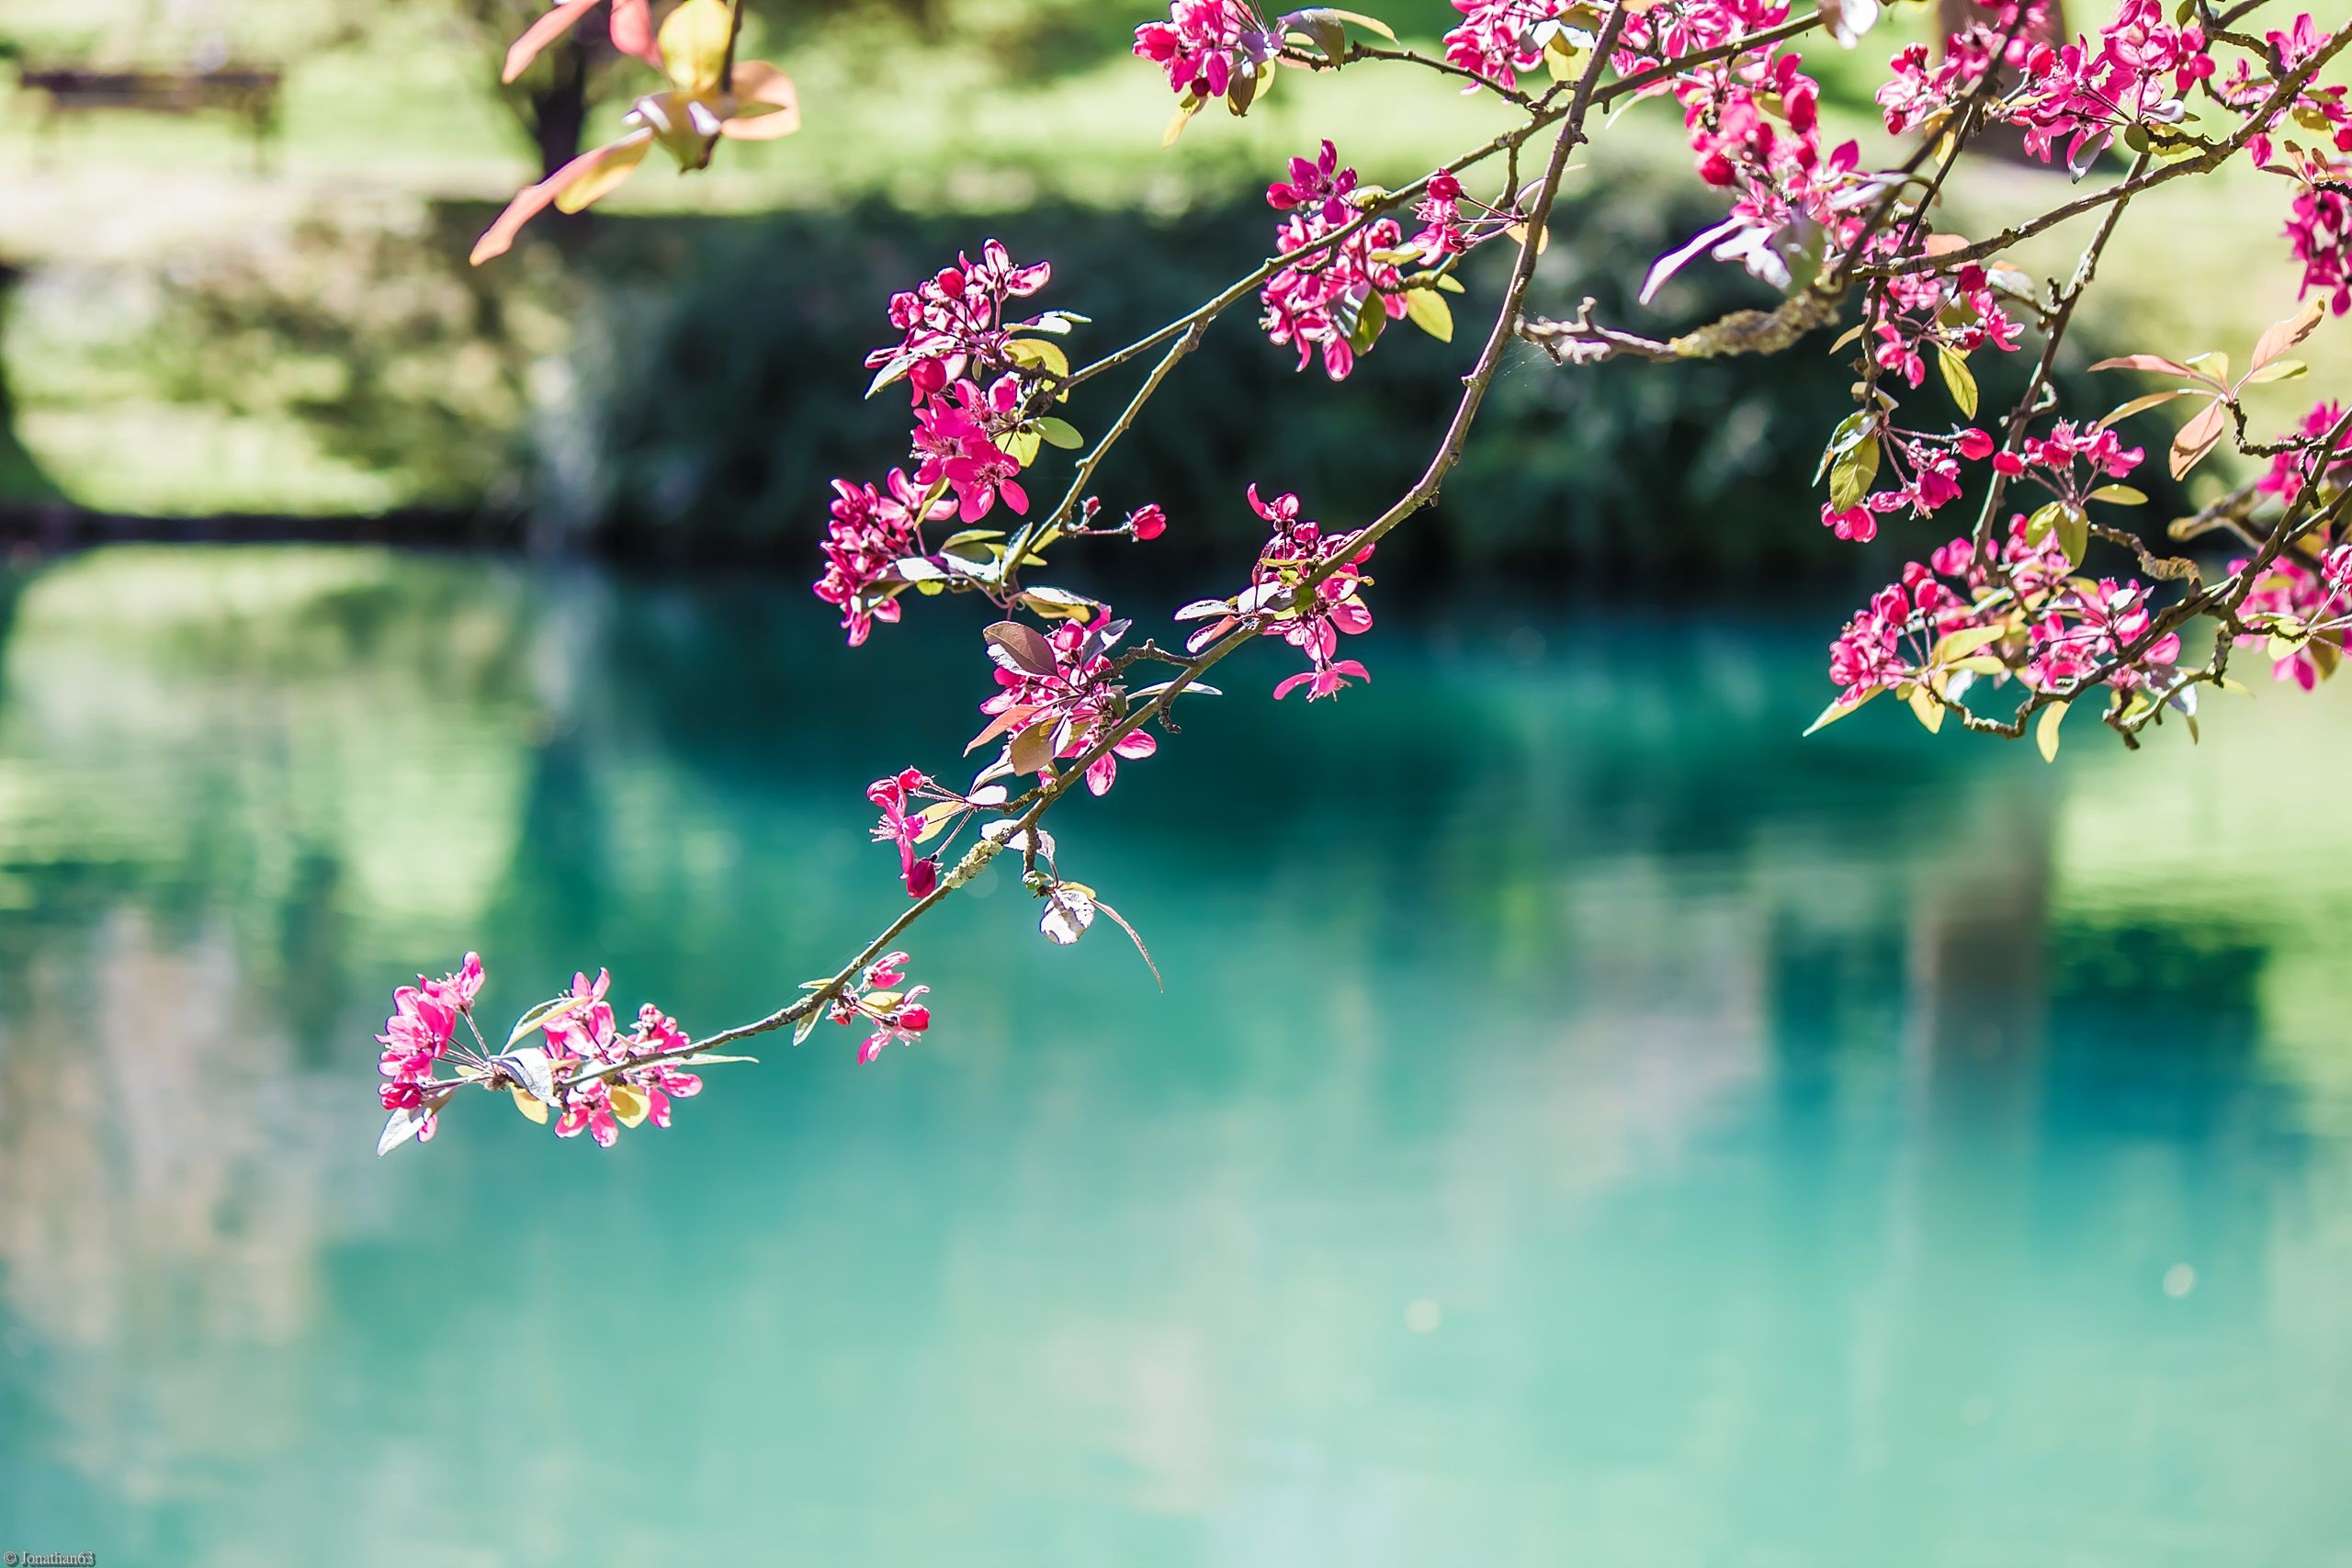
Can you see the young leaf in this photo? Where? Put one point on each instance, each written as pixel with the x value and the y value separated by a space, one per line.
pixel 2045 733
pixel 1185 110
pixel 1133 936
pixel 1322 28
pixel 530 1068
pixel 546 1013
pixel 1024 648
pixel 1038 354
pixel 1068 912
pixel 2281 336
pixel 1369 24
pixel 2199 437
pixel 1954 645
pixel 1047 601
pixel 1927 709
pixel 1957 380
pixel 1839 710
pixel 2121 495
pixel 1426 310
pixel 2140 405
pixel 629 1107
pixel 1850 475
pixel 694 39
pixel 1032 749
pixel 2276 370
pixel 1060 433
pixel 2073 531
pixel 2152 363
pixel 536 1109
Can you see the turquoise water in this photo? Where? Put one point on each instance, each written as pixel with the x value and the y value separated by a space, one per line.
pixel 1583 1125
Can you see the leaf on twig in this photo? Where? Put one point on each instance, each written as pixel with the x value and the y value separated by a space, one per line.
pixel 2045 733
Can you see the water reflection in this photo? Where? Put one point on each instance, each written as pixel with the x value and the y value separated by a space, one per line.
pixel 1583 1122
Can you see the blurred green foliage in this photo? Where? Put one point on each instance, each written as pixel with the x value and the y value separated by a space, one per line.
pixel 717 395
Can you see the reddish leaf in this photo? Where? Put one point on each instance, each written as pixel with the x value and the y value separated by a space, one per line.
pixel 2281 336
pixel 543 32
pixel 2198 437
pixel 767 93
pixel 534 199
pixel 2154 363
pixel 1024 646
pixel 1011 718
pixel 633 30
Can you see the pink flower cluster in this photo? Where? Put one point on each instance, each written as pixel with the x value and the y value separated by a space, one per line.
pixel 424 1022
pixel 1500 39
pixel 1320 300
pixel 907 822
pixel 2033 618
pixel 1205 45
pixel 2285 478
pixel 2311 600
pixel 953 326
pixel 1921 313
pixel 2138 74
pixel 872 531
pixel 970 376
pixel 1272 601
pixel 2085 625
pixel 898 1017
pixel 637 1074
pixel 1755 130
pixel 2319 227
pixel 1062 689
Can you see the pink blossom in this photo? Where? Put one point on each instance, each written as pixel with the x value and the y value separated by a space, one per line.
pixel 872 531
pixel 1273 602
pixel 897 1017
pixel 1205 44
pixel 2285 478
pixel 1063 689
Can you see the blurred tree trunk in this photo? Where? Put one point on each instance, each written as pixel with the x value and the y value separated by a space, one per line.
pixel 555 106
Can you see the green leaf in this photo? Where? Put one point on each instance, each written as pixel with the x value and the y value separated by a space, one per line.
pixel 1965 641
pixel 1049 601
pixel 2121 495
pixel 1850 430
pixel 1032 749
pixel 1957 380
pixel 1839 710
pixel 2276 370
pixel 1369 24
pixel 1185 110
pixel 2045 518
pixel 1061 433
pixel 2045 733
pixel 1850 475
pixel 1927 709
pixel 1426 310
pixel 2073 531
pixel 1038 354
pixel 546 1013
